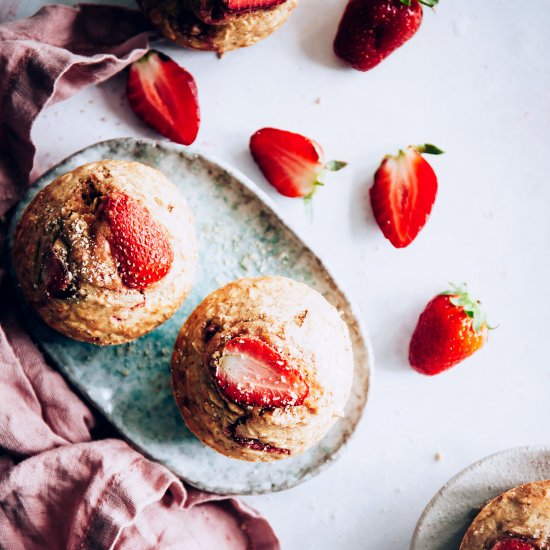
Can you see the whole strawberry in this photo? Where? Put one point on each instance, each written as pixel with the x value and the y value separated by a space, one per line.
pixel 451 328
pixel 370 30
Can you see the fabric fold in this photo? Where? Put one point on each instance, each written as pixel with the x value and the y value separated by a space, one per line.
pixel 49 57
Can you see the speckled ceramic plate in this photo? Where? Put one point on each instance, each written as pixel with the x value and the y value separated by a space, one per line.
pixel 449 514
pixel 239 235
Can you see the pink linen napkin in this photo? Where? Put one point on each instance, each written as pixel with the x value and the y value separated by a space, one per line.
pixel 58 488
pixel 49 57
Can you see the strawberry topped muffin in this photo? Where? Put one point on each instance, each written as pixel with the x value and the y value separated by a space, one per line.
pixel 217 25
pixel 262 368
pixel 107 252
pixel 516 520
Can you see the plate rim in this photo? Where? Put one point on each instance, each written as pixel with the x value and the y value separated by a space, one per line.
pixel 523 449
pixel 264 198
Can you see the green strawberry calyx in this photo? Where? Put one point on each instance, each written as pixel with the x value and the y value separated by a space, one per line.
pixel 459 297
pixel 330 166
pixel 429 3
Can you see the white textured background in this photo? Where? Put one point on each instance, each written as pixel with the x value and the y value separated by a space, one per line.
pixel 476 82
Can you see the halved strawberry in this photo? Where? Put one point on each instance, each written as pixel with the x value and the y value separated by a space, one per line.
pixel 292 163
pixel 246 5
pixel 403 193
pixel 250 372
pixel 514 543
pixel 139 243
pixel 165 96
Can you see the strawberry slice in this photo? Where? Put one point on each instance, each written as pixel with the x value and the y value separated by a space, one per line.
pixel 250 372
pixel 292 163
pixel 139 243
pixel 248 5
pixel 165 96
pixel 404 191
pixel 55 276
pixel 514 543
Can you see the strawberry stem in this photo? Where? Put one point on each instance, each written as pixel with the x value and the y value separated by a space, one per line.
pixel 308 203
pixel 335 165
pixel 429 3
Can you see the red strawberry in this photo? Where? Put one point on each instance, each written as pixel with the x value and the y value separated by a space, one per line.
pixel 55 276
pixel 370 30
pixel 292 163
pixel 404 190
pixel 165 96
pixel 248 5
pixel 451 328
pixel 139 243
pixel 513 544
pixel 250 372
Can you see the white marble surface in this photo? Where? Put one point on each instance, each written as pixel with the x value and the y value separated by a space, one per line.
pixel 475 81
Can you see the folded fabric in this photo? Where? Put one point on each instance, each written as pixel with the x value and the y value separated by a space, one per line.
pixel 49 57
pixel 58 488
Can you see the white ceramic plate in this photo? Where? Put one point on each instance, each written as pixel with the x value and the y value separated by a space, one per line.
pixel 449 514
pixel 239 235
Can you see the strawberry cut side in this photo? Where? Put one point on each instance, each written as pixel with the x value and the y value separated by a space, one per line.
pixel 250 372
pixel 292 163
pixel 514 543
pixel 139 243
pixel 403 194
pixel 164 96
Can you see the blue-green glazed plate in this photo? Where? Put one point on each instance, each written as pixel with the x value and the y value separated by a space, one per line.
pixel 239 235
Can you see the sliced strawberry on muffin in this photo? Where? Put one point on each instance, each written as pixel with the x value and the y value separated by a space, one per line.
pixel 513 543
pixel 251 372
pixel 250 5
pixel 140 244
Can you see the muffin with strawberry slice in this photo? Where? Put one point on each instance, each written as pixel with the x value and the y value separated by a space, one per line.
pixel 262 368
pixel 106 252
pixel 516 520
pixel 217 25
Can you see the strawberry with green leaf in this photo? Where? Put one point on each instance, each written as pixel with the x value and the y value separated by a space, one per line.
pixel 292 163
pixel 452 327
pixel 370 30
